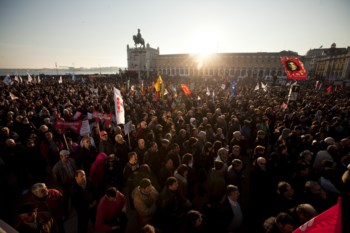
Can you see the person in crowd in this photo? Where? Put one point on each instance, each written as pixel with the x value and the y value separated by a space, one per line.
pixel 140 150
pixel 285 201
pixel 50 200
pixel 32 221
pixel 171 206
pixel 282 223
pixel 131 168
pixel 194 222
pixel 229 213
pixel 86 155
pixel 144 198
pixel 105 145
pixel 110 215
pixel 84 200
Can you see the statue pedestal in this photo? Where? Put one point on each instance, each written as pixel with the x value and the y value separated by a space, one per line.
pixel 142 60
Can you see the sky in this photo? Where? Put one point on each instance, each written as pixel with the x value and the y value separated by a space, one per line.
pixel 95 33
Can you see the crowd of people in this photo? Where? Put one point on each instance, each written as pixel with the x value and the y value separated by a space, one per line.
pixel 205 161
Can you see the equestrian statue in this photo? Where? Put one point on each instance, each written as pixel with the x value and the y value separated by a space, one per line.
pixel 138 39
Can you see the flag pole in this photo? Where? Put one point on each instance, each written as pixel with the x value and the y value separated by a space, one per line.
pixel 65 141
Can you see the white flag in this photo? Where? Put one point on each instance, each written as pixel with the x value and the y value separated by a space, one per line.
pixel 264 87
pixel 7 80
pixel 165 91
pixel 30 79
pixel 256 87
pixel 16 79
pixel 208 92
pixel 13 97
pixel 119 107
pixel 39 80
pixel 60 80
pixel 20 79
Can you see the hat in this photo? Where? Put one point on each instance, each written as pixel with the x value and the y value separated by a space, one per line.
pixel 102 133
pixel 165 141
pixel 37 187
pixel 237 133
pixel 27 208
pixel 144 183
pixel 305 152
pixel 64 153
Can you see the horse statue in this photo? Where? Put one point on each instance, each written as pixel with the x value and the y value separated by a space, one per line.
pixel 138 39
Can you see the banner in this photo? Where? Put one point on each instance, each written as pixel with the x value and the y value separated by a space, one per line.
pixel 119 107
pixel 107 118
pixel 329 221
pixel 74 126
pixel 294 68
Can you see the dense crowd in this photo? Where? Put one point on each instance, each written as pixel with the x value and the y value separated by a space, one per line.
pixel 205 161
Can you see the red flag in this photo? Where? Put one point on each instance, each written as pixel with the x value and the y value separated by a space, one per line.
pixel 294 68
pixel 74 126
pixel 329 89
pixel 329 221
pixel 186 89
pixel 284 106
pixel 107 118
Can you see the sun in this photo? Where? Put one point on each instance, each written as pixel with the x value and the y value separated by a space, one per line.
pixel 203 44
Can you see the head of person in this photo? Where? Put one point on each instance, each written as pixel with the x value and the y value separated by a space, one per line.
pixel 193 219
pixel 148 229
pixel 39 190
pixel 171 183
pixel 132 156
pixel 86 142
pixel 285 189
pixel 305 212
pixel 202 135
pixel 141 143
pixel 187 159
pixel 306 155
pixel 223 154
pixel 315 189
pixel 103 135
pixel 165 143
pixel 80 177
pixel 146 186
pixel 182 170
pixel 292 66
pixel 64 155
pixel 119 139
pixel 261 163
pixel 237 165
pixel 237 135
pixel 111 194
pixel 153 147
pixel 284 223
pixel 236 150
pixel 232 192
pixel 28 212
pixel 143 124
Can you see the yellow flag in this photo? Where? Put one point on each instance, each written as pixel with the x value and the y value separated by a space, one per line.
pixel 158 84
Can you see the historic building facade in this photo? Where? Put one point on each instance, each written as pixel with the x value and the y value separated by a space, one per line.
pixel 328 63
pixel 332 63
